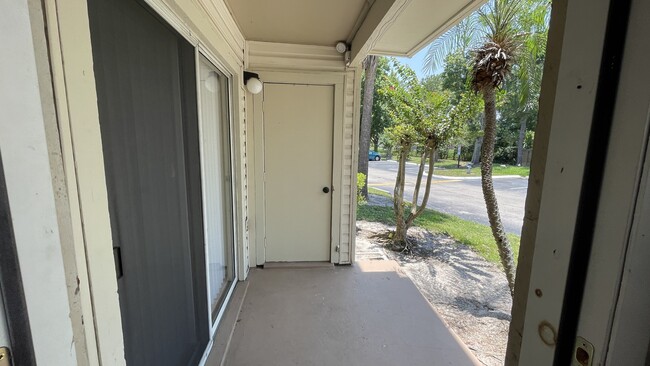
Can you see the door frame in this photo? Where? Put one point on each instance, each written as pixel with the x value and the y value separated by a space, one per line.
pixel 13 306
pixel 567 113
pixel 610 314
pixel 198 52
pixel 330 180
pixel 336 80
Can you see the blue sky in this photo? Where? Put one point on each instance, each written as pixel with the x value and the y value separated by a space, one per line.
pixel 417 62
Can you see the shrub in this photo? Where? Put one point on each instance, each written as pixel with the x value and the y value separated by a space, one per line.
pixel 361 181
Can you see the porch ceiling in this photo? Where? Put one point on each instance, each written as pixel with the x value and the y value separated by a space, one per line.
pixel 310 22
pixel 419 22
pixel 381 27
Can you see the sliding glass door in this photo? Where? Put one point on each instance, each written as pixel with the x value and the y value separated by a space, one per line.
pixel 217 184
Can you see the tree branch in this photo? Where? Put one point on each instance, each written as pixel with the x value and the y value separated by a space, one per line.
pixel 418 181
pixel 431 149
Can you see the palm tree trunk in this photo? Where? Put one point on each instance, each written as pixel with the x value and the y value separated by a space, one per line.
pixel 366 119
pixel 487 155
pixel 520 141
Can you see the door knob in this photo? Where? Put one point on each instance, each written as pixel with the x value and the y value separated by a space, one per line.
pixel 326 189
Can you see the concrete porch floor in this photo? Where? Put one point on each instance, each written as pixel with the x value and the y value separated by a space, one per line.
pixel 365 314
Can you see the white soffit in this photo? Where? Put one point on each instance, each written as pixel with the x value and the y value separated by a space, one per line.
pixel 418 23
pixel 307 22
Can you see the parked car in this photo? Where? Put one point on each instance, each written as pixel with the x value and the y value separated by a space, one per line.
pixel 373 155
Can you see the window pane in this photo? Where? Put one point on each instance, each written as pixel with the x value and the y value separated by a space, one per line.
pixel 217 187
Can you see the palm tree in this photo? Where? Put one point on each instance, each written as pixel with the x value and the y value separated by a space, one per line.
pixel 461 38
pixel 492 64
pixel 494 35
pixel 533 23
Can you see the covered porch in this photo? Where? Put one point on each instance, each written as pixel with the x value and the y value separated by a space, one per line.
pixel 144 183
pixel 365 314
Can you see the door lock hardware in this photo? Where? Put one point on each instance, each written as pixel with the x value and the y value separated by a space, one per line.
pixel 583 353
pixel 5 356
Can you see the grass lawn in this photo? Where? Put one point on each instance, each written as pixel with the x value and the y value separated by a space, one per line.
pixel 447 167
pixel 477 236
pixel 450 168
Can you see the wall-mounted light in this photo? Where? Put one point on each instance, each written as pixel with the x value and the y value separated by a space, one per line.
pixel 252 82
pixel 341 47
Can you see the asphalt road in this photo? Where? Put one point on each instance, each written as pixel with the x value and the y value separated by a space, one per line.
pixel 462 197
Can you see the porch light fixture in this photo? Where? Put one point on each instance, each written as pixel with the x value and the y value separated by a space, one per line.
pixel 252 82
pixel 341 47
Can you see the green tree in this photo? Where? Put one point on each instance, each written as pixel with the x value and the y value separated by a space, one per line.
pixel 420 117
pixel 433 83
pixel 380 118
pixel 525 83
pixel 496 34
pixel 370 66
pixel 456 79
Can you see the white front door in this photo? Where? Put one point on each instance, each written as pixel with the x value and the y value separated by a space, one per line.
pixel 298 133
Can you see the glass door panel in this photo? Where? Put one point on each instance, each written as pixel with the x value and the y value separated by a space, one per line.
pixel 217 183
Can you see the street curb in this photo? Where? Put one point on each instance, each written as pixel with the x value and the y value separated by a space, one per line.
pixel 466 178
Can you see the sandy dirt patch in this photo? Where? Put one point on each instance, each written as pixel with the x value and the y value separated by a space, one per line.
pixel 470 293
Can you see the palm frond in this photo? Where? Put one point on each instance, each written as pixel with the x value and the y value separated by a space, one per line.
pixel 461 37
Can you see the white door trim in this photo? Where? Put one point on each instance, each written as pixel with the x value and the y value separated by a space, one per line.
pixel 321 78
pixel 566 104
pixel 617 263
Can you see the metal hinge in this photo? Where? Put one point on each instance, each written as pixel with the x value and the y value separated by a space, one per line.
pixel 5 356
